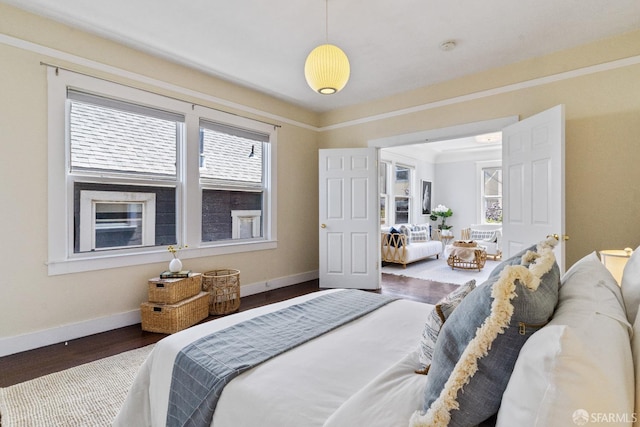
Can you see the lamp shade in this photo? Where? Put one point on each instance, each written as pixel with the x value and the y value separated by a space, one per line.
pixel 327 69
pixel 615 261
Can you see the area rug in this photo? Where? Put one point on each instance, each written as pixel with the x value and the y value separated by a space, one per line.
pixel 438 270
pixel 86 395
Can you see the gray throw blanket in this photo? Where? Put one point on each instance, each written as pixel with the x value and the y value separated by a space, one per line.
pixel 204 367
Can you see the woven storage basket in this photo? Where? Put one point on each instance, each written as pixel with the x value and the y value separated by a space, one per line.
pixel 170 291
pixel 170 318
pixel 223 287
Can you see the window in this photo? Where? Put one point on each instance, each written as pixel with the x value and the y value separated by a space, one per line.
pixel 382 187
pixel 232 181
pixel 245 224
pixel 491 195
pixel 131 172
pixel 114 219
pixel 402 193
pixel 396 192
pixel 110 141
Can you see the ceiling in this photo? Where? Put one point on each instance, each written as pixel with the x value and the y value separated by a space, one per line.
pixel 450 149
pixel 392 46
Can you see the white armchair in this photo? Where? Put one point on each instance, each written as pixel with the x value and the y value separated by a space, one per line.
pixel 487 235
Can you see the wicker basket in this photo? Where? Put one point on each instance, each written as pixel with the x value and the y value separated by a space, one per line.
pixel 480 258
pixel 170 318
pixel 465 244
pixel 170 291
pixel 223 287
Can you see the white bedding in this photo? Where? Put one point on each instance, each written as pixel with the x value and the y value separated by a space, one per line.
pixel 363 369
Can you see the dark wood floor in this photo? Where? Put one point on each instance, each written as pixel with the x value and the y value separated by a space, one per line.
pixel 25 366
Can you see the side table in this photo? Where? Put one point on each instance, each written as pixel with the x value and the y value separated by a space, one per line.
pixel 466 258
pixel 446 239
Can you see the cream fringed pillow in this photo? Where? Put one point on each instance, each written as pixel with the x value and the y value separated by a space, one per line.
pixel 479 344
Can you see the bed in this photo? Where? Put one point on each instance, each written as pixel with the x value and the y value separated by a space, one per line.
pixel 575 369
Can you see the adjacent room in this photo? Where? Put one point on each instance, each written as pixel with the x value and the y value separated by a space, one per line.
pixel 323 213
pixel 464 174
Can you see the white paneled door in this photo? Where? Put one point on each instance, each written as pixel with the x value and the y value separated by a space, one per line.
pixel 349 225
pixel 533 187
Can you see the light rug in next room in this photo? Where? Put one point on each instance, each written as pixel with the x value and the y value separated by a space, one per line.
pixel 438 270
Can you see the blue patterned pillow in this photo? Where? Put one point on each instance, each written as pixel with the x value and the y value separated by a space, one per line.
pixel 436 318
pixel 486 235
pixel 479 343
pixel 395 239
pixel 418 236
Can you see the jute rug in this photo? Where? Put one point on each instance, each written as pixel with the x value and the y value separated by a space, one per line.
pixel 87 395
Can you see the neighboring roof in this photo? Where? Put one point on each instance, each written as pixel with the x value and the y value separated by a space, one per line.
pixel 226 157
pixel 107 139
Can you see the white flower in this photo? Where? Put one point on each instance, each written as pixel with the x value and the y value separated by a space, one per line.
pixel 441 208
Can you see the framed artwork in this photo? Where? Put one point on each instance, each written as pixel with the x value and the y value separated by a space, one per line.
pixel 426 197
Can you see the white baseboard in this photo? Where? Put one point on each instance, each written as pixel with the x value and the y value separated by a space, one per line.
pixel 60 334
pixel 281 282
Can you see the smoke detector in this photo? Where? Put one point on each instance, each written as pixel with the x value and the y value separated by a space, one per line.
pixel 447 45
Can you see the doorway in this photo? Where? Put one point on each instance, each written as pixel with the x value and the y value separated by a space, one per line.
pixel 448 172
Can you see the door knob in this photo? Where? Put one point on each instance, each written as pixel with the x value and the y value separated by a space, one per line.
pixel 323 226
pixel 557 237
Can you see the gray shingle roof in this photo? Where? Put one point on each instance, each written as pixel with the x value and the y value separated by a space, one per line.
pixel 227 157
pixel 113 140
pixel 109 139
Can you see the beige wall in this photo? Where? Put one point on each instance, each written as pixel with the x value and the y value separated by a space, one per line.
pixel 33 301
pixel 602 128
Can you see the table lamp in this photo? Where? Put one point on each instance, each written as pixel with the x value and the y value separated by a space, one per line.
pixel 615 260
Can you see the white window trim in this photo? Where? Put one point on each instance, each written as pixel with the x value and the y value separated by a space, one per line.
pixel 88 201
pixel 480 186
pixel 62 260
pixel 236 218
pixel 412 189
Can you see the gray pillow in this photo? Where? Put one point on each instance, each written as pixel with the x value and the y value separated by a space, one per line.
pixel 514 260
pixel 479 343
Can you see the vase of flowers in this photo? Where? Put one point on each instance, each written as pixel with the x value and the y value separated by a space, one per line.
pixel 175 265
pixel 441 211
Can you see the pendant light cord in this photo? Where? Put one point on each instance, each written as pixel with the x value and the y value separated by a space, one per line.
pixel 326 20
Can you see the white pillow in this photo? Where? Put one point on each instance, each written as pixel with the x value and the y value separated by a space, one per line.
pixel 580 363
pixel 635 348
pixel 630 285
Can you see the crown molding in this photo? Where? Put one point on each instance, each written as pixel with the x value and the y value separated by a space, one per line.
pixel 540 81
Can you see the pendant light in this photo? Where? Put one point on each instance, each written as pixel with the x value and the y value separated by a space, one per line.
pixel 327 66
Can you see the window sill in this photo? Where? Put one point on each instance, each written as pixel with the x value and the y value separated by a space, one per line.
pixel 105 260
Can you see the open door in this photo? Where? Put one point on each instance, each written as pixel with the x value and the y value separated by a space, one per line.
pixel 533 187
pixel 349 225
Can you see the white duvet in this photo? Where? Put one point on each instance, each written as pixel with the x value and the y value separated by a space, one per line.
pixel 359 374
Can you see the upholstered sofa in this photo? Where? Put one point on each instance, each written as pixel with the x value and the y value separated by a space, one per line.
pixel 406 243
pixel 487 235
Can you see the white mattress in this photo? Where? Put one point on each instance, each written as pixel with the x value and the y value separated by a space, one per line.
pixel 361 371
